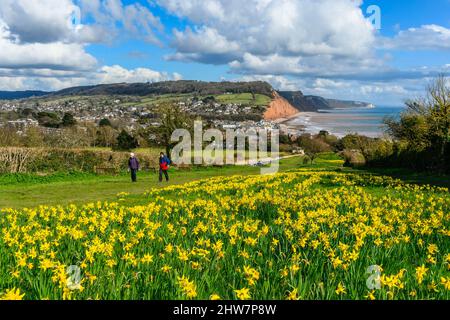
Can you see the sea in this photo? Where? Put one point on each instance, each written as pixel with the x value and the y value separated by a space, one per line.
pixel 340 122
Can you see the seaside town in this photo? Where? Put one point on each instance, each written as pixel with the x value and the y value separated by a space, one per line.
pixel 22 114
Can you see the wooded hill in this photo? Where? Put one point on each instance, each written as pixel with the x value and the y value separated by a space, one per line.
pixel 195 88
pixel 171 87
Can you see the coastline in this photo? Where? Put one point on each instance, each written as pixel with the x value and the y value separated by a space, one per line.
pixel 283 120
pixel 363 121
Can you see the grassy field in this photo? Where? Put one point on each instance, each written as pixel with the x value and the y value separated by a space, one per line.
pixel 19 191
pixel 151 100
pixel 244 98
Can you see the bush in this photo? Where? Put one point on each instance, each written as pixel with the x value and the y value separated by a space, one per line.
pixel 353 158
pixel 48 160
pixel 422 133
pixel 126 142
pixel 68 120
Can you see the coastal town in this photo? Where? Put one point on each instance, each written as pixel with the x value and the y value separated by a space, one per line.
pixel 132 112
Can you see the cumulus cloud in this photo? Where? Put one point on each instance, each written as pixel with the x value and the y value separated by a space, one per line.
pixel 43 43
pixel 116 74
pixel 55 55
pixel 38 21
pixel 326 47
pixel 268 64
pixel 47 21
pixel 255 35
pixel 50 80
pixel 205 44
pixel 427 37
pixel 135 19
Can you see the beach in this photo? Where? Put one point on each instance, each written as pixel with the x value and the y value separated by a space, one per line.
pixel 341 122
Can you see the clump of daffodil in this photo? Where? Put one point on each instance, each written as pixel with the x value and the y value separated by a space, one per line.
pixel 251 275
pixel 243 294
pixel 420 273
pixel 239 229
pixel 293 295
pixel 214 297
pixel 340 290
pixel 187 287
pixel 12 294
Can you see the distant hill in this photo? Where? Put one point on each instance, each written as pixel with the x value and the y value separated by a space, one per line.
pixel 171 87
pixel 315 103
pixel 297 99
pixel 13 95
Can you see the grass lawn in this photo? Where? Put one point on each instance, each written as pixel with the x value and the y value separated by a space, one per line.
pixel 244 98
pixel 80 189
pixel 31 191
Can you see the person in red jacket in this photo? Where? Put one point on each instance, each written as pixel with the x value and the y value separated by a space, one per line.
pixel 164 163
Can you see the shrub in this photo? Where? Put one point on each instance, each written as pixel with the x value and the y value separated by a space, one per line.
pixel 353 158
pixel 49 160
pixel 125 141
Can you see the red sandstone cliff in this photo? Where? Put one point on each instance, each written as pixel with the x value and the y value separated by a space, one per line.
pixel 279 108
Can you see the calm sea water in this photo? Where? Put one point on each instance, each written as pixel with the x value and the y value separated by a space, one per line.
pixel 341 122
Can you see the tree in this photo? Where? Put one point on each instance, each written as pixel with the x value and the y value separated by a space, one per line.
pixel 313 146
pixel 68 120
pixel 171 118
pixel 106 136
pixel 33 137
pixel 105 123
pixel 125 141
pixel 48 119
pixel 9 137
pixel 424 129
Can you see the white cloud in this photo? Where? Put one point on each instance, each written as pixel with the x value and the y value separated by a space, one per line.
pixel 205 41
pixel 255 34
pixel 43 44
pixel 41 21
pixel 268 64
pixel 47 21
pixel 205 45
pixel 135 19
pixel 56 55
pixel 326 47
pixel 427 37
pixel 117 74
pixel 50 80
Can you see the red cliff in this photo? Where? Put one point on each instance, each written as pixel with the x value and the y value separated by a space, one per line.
pixel 279 108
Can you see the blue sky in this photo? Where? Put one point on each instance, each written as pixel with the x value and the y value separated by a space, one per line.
pixel 323 47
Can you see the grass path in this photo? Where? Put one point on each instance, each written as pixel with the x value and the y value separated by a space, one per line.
pixel 91 188
pixel 106 188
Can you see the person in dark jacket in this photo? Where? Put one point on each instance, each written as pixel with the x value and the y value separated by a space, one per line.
pixel 133 165
pixel 164 163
